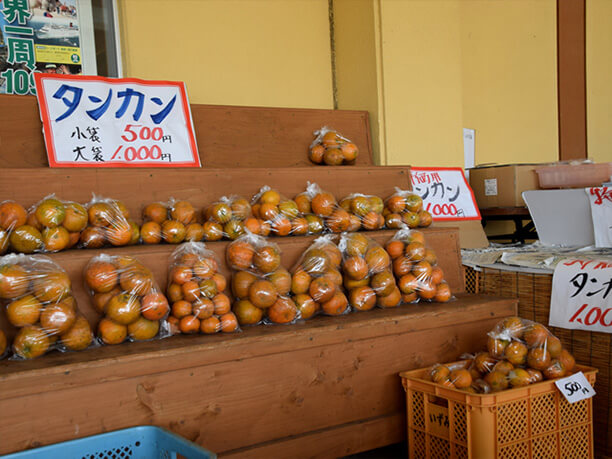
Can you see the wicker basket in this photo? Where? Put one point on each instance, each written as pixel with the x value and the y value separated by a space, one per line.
pixel 589 348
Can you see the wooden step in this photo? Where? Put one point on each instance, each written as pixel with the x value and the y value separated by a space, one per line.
pixel 262 389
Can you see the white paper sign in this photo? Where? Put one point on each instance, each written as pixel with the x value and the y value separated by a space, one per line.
pixel 581 296
pixel 91 121
pixel 575 387
pixel 445 192
pixel 490 187
pixel 601 212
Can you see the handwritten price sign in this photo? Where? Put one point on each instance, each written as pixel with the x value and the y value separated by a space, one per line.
pixel 91 121
pixel 601 212
pixel 581 296
pixel 445 193
pixel 575 387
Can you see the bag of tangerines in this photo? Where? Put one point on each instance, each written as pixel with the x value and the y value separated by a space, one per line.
pixel 196 290
pixel 279 215
pixel 323 212
pixel 108 224
pixel 172 222
pixel 405 207
pixel 368 278
pixel 317 282
pixel 416 269
pixel 365 209
pixel 37 295
pixel 228 217
pixel 331 148
pixel 125 293
pixel 260 285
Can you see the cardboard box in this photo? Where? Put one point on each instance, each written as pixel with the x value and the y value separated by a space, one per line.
pixel 502 186
pixel 471 233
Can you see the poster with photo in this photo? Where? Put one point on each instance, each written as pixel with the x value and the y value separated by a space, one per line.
pixel 37 36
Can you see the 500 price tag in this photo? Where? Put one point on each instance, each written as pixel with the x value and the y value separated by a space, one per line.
pixel 575 387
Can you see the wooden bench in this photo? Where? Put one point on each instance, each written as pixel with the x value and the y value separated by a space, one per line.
pixel 326 387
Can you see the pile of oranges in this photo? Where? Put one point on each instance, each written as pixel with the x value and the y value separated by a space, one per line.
pixel 365 212
pixel 38 299
pixel 196 290
pixel 416 268
pixel 317 282
pixel 331 148
pixel 108 223
pixel 405 208
pixel 125 293
pixel 279 214
pixel 367 273
pixel 172 223
pixel 260 284
pixel 519 352
pixel 229 217
pixel 12 217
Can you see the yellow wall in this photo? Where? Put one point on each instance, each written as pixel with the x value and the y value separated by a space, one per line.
pixel 234 52
pixel 421 70
pixel 509 76
pixel 599 70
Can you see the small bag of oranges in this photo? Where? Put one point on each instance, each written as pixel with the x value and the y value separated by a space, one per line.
pixel 280 214
pixel 365 211
pixel 416 268
pixel 37 295
pixel 108 224
pixel 316 283
pixel 405 207
pixel 125 293
pixel 331 148
pixel 172 222
pixel 324 205
pixel 59 223
pixel 16 231
pixel 196 290
pixel 368 278
pixel 228 217
pixel 260 285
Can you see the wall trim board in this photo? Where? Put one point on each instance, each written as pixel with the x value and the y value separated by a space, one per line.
pixel 571 75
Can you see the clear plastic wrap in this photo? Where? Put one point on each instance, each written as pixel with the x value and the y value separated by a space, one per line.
pixel 172 222
pixel 228 218
pixel 368 278
pixel 416 269
pixel 108 224
pixel 332 148
pixel 316 284
pixel 127 297
pixel 519 352
pixel 281 215
pixel 38 301
pixel 365 211
pixel 16 232
pixel 260 285
pixel 196 290
pixel 405 207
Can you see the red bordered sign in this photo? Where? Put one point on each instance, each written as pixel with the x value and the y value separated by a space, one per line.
pixel 446 193
pixel 92 121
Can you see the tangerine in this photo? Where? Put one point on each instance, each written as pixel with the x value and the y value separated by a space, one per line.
pixel 391 300
pixel 189 324
pixel 333 157
pixel 439 373
pixel 535 335
pixel 241 209
pixel 362 298
pixel 519 378
pixel 241 283
pixel 338 221
pixel 183 212
pixel 378 259
pixel 322 290
pixel 229 323
pixel 173 232
pixel 538 358
pixel 31 342
pixel 205 268
pixel 111 332
pixel 425 218
pixel 270 197
pixel 75 218
pixel 402 266
pixel 221 213
pixel 355 267
pixel 99 300
pixel 281 280
pixel 212 231
pixel 315 154
pixel 349 151
pixel 281 226
pixel 174 292
pixel 302 201
pixel 93 237
pixel 12 215
pixel 336 305
pixel 414 203
pixel 210 326
pixel 299 227
pixel 262 294
pixel 220 281
pixel 234 229
pixel 306 306
pixel 383 283
pixel 240 255
pixel 24 311
pixel 411 219
pixel 79 336
pixel 50 212
pixel 194 232
pixel 247 313
pixel 14 281
pixel 221 303
pixel 461 378
pixel 252 225
pixel 26 239
pixel 154 306
pixel 300 282
pixel 567 360
pixel 323 204
pixel 55 239
pixel 52 286
pixel 57 318
pixel 396 204
pixel 315 224
pixel 395 248
pixel 516 353
pixel 497 381
pixel 443 293
pixel 101 214
pixel 437 275
pixel 191 291
pixel 143 329
pixel 408 284
pixel 123 309
pixel 496 347
pixel 422 270
pixel 267 259
pixel 182 308
pixel 136 280
pixel 283 311
pixel 155 212
pixel 119 233
pixel 393 221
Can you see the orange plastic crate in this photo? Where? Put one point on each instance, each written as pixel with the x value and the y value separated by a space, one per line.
pixel 526 422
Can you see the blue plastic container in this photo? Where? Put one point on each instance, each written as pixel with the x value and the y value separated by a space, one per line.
pixel 145 442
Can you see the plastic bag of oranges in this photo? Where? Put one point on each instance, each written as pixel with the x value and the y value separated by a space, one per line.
pixel 228 217
pixel 37 295
pixel 279 213
pixel 416 269
pixel 331 148
pixel 368 278
pixel 260 285
pixel 125 293
pixel 108 224
pixel 196 290
pixel 16 232
pixel 323 205
pixel 59 223
pixel 172 222
pixel 405 207
pixel 365 211
pixel 316 285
